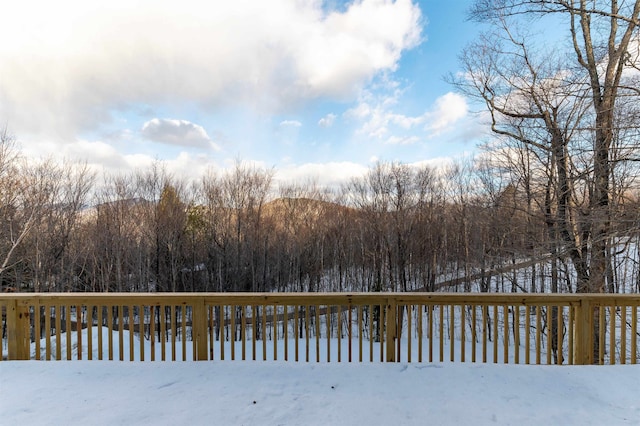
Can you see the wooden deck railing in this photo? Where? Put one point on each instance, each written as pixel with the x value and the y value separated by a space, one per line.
pixel 314 327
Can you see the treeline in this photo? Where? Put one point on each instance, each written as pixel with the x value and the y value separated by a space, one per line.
pixel 399 228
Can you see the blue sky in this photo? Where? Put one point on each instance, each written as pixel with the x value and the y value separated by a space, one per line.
pixel 314 89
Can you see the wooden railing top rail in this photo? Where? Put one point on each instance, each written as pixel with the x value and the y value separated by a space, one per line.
pixel 328 298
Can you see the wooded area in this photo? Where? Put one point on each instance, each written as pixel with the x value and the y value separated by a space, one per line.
pixel 552 203
pixel 397 228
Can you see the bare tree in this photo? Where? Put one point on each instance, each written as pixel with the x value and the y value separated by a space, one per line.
pixel 599 54
pixel 15 223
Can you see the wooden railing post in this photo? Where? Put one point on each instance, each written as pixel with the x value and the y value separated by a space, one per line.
pixel 18 328
pixel 391 329
pixel 583 330
pixel 199 324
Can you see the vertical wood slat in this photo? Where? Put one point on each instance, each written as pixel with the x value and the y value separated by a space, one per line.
pixel 306 331
pixel 570 332
pixel 360 327
pixel 559 332
pixel 420 334
pixel 221 327
pixel 264 332
pixel 391 322
pixel 430 319
pixel 152 332
pixel 99 329
pixel 110 328
pixel 441 331
pixel 339 331
pixel 141 329
pixel 371 333
pixel 549 333
pixel 173 326
pixel 89 332
pixel 78 329
pixel 409 336
pixel 397 332
pixel 131 333
pixel 516 334
pixel 69 332
pixel 120 334
pixel 527 334
pixel 37 325
pixel 587 327
pixel 274 326
pixel 494 334
pixel 210 331
pixel 578 330
pixel 623 334
pixel 232 327
pixel 349 335
pixel 538 334
pixel 243 331
pixel 195 331
pixel 254 322
pixel 47 327
pixel 485 313
pixel 381 331
pixel 317 327
pixel 183 317
pixel 612 335
pixel 285 331
pixel 505 339
pixel 601 333
pixel 473 332
pixel 634 334
pixel 349 331
pixel 296 329
pixel 327 321
pixel 452 331
pixel 463 333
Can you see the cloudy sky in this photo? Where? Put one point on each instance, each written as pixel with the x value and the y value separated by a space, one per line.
pixel 315 89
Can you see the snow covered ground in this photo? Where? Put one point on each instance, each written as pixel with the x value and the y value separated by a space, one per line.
pixel 315 393
pixel 279 393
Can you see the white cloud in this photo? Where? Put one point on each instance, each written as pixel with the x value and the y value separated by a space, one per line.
pixel 448 109
pixel 70 64
pixel 176 132
pixel 103 159
pixel 325 174
pixel 290 123
pixel 188 166
pixel 96 154
pixel 327 120
pixel 379 118
pixel 438 164
pixel 402 140
pixel 379 121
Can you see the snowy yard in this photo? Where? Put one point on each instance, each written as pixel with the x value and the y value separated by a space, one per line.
pixel 279 393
